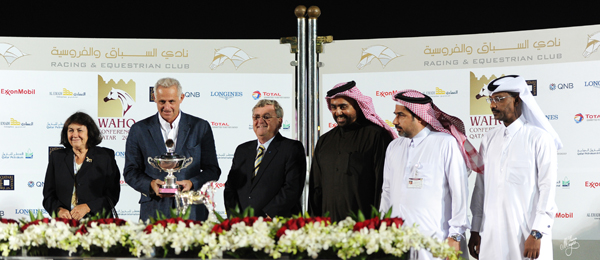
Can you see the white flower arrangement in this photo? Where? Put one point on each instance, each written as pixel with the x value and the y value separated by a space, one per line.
pixel 8 231
pixel 239 237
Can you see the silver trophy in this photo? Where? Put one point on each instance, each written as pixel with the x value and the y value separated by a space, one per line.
pixel 205 195
pixel 170 162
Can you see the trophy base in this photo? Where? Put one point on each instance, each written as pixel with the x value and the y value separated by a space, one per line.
pixel 167 191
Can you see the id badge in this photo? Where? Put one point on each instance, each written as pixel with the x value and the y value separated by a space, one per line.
pixel 415 183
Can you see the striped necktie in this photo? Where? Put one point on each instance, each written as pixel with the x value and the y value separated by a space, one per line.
pixel 259 156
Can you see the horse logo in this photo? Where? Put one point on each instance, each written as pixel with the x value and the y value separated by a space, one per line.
pixel 592 44
pixel 233 54
pixel 379 52
pixel 10 52
pixel 126 100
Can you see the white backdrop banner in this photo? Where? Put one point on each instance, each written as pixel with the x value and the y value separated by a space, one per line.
pixel 45 80
pixel 560 65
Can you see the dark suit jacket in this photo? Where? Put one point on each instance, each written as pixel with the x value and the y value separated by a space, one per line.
pixel 97 180
pixel 277 187
pixel 194 139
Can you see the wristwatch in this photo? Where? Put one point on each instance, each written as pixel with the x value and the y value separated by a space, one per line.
pixel 456 237
pixel 536 234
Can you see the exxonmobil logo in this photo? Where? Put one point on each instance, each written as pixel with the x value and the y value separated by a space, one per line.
pixel 564 215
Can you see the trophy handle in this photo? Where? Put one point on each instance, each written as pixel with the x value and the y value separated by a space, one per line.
pixel 187 162
pixel 153 163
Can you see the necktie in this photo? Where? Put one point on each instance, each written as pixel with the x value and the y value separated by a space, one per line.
pixel 259 156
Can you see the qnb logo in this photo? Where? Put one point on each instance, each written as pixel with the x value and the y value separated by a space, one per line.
pixel 192 94
pixel 38 184
pixel 385 93
pixel 561 86
pixel 592 184
pixel 256 95
pixel 578 118
pixel 564 215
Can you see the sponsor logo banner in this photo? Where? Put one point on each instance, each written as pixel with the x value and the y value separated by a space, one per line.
pixel 7 182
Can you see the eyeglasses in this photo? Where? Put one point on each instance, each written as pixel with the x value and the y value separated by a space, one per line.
pixel 266 117
pixel 495 99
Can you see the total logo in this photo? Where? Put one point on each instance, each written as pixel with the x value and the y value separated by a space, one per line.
pixel 221 125
pixel 32 184
pixel 564 215
pixel 274 95
pixel 592 184
pixel 561 86
pixel 256 95
pixel 588 117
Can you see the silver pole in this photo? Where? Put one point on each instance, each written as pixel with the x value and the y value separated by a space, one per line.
pixel 313 88
pixel 313 79
pixel 301 97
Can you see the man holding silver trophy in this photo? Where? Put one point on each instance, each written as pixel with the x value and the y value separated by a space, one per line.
pixel 188 137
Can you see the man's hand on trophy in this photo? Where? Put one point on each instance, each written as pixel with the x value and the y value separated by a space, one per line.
pixel 155 185
pixel 185 185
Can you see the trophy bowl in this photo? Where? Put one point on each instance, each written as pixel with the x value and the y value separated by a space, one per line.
pixel 170 162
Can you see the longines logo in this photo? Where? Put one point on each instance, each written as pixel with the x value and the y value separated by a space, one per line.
pixel 10 52
pixel 236 55
pixel 226 94
pixel 7 182
pixel 377 52
pixel 595 84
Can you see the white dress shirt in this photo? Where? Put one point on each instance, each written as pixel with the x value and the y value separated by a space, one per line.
pixel 169 130
pixel 433 161
pixel 515 194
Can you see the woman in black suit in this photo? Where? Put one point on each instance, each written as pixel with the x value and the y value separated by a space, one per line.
pixel 82 178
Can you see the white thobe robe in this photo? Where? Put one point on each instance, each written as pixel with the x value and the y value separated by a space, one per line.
pixel 439 207
pixel 515 194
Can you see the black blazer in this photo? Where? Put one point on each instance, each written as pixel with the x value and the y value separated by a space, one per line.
pixel 97 180
pixel 194 139
pixel 278 185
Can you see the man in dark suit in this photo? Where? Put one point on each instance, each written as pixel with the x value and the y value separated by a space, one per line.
pixel 193 137
pixel 267 174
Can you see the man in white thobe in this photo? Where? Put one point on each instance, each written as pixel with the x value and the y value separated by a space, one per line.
pixel 513 201
pixel 425 174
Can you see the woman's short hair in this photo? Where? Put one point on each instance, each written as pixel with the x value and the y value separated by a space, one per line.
pixel 94 136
